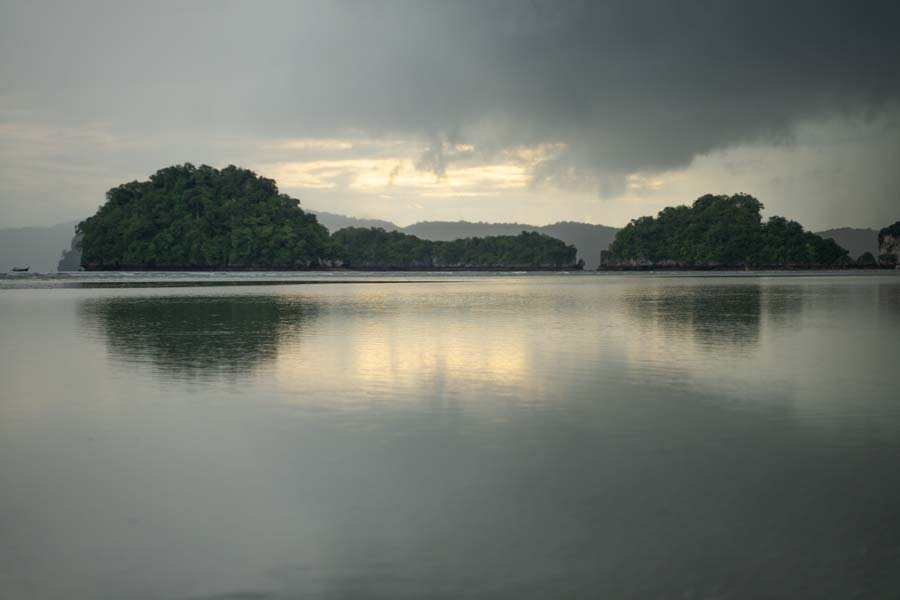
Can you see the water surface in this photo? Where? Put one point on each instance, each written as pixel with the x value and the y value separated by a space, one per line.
pixel 447 436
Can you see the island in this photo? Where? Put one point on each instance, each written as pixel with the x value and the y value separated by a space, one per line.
pixel 720 232
pixel 201 218
pixel 196 218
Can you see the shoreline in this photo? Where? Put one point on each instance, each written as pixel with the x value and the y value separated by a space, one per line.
pixel 326 269
pixel 701 268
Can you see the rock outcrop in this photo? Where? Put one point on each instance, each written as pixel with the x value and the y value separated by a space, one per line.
pixel 889 246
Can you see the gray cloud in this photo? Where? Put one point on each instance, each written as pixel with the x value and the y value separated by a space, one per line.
pixel 642 86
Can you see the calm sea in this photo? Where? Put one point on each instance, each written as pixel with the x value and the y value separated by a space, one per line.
pixel 333 436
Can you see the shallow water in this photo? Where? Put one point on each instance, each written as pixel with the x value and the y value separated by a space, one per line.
pixel 445 436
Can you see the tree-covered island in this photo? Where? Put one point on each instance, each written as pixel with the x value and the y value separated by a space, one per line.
pixel 720 232
pixel 188 217
pixel 201 218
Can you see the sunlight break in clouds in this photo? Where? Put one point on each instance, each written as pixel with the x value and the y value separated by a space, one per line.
pixel 463 176
pixel 310 144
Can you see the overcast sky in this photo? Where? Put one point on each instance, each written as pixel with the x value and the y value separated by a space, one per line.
pixel 497 111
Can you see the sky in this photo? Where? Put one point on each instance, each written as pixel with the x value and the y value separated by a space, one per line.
pixel 527 111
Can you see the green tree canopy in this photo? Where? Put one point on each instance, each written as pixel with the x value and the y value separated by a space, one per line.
pixel 201 217
pixel 375 248
pixel 722 230
pixel 187 217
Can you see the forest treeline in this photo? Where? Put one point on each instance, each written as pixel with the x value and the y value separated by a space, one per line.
pixel 375 248
pixel 187 217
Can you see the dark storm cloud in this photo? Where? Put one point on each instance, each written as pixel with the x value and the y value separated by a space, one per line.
pixel 627 85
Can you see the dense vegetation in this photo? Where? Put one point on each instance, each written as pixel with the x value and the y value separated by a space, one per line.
pixel 591 240
pixel 375 248
pixel 201 217
pixel 188 217
pixel 866 260
pixel 720 231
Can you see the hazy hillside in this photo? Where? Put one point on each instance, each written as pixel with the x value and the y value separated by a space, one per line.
pixel 334 222
pixel 856 241
pixel 590 240
pixel 454 230
pixel 37 247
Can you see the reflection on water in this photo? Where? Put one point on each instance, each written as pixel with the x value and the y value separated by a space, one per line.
pixel 716 315
pixel 197 336
pixel 889 299
pixel 490 347
pixel 533 437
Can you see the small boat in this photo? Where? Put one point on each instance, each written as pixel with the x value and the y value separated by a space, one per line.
pixel 20 269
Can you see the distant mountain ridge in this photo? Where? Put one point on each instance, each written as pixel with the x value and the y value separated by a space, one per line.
pixel 335 222
pixel 856 241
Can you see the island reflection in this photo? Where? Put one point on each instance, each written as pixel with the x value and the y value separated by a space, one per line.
pixel 727 318
pixel 388 344
pixel 187 337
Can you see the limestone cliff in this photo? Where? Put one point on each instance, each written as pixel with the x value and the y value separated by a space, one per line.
pixel 889 245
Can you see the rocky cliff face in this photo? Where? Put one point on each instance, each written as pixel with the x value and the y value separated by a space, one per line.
pixel 889 245
pixel 71 258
